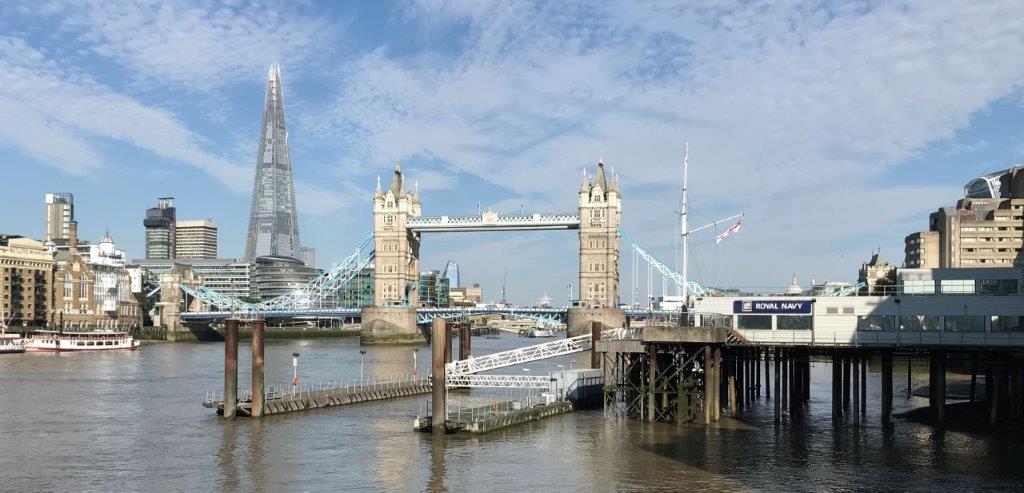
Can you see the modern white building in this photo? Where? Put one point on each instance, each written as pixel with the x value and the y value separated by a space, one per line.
pixel 956 307
pixel 195 239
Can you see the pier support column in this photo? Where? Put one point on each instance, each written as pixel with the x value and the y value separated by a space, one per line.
pixel 837 408
pixel 230 367
pixel 940 385
pixel 709 385
pixel 767 374
pixel 855 383
pixel 846 382
pixel 652 383
pixel 785 379
pixel 465 342
pixel 717 408
pixel 259 335
pixel 778 384
pixel 438 340
pixel 595 335
pixel 448 341
pixel 864 385
pixel 974 376
pixel 886 387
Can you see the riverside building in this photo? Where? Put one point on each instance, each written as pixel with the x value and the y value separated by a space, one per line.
pixel 26 274
pixel 160 225
pixel 60 211
pixel 984 229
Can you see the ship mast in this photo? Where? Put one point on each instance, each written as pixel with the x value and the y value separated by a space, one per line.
pixel 684 225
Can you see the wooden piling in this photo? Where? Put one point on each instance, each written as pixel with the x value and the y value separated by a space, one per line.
pixel 595 335
pixel 940 386
pixel 855 381
pixel 767 375
pixel 778 384
pixel 438 341
pixel 230 367
pixel 785 379
pixel 259 334
pixel 465 341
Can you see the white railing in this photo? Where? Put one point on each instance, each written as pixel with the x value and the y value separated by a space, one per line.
pixel 518 356
pixel 498 381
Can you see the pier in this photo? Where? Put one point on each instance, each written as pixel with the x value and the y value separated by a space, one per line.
pixel 283 399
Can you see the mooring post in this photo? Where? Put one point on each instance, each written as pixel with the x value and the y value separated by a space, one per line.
pixel 230 367
pixel 438 341
pixel 465 342
pixel 259 332
pixel 886 387
pixel 448 341
pixel 595 335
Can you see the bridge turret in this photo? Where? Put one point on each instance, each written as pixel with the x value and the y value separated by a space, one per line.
pixel 397 248
pixel 600 211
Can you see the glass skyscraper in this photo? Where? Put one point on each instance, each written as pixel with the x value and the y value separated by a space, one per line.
pixel 273 226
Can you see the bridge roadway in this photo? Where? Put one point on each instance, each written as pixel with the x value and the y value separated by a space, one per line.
pixel 423 315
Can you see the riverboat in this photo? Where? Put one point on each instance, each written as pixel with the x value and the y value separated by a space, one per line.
pixel 11 343
pixel 99 340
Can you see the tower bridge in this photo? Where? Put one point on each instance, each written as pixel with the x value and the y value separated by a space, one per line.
pixel 393 251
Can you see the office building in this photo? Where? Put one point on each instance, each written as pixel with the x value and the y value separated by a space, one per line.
pixel 451 271
pixel 467 296
pixel 434 290
pixel 308 256
pixel 278 276
pixel 357 293
pixel 26 274
pixel 60 211
pixel 273 224
pixel 160 229
pixel 984 229
pixel 228 276
pixel 195 239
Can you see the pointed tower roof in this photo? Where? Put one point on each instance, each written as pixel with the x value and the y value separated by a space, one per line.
pixel 600 179
pixel 397 182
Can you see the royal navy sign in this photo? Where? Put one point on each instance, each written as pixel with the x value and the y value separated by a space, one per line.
pixel 770 307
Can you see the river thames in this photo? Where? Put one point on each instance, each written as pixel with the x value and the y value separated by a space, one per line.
pixel 133 421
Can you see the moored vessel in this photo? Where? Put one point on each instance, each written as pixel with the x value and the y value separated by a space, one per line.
pixel 100 340
pixel 11 343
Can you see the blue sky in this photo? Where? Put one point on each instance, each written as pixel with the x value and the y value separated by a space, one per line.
pixel 835 126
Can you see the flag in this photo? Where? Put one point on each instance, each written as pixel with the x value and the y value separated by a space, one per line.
pixel 732 229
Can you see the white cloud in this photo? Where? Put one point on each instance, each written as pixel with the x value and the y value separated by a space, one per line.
pixel 201 44
pixel 783 103
pixel 61 110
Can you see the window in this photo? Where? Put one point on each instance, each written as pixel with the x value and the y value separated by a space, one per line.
pixel 997 286
pixel 957 286
pixel 964 323
pixel 848 310
pixel 1007 323
pixel 755 322
pixel 876 322
pixel 832 310
pixel 794 322
pixel 919 287
pixel 920 322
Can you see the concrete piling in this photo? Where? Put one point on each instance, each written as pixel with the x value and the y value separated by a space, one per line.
pixel 778 384
pixel 595 335
pixel 259 333
pixel 465 341
pixel 230 367
pixel 940 385
pixel 438 341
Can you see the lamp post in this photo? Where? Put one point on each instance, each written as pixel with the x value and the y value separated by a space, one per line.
pixel 568 303
pixel 295 373
pixel 415 371
pixel 362 352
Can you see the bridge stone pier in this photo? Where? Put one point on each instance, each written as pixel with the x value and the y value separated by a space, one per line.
pixel 398 227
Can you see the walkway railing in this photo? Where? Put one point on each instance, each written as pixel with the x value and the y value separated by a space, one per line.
pixel 322 388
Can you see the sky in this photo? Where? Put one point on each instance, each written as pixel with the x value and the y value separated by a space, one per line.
pixel 835 127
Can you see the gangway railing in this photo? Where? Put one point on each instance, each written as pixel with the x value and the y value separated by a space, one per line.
pixel 498 381
pixel 528 354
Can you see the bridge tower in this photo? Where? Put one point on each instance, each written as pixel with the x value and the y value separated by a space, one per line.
pixel 392 319
pixel 600 206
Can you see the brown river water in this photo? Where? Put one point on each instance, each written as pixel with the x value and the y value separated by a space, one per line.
pixel 133 421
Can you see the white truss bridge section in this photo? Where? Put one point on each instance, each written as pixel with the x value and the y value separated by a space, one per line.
pixel 492 221
pixel 498 381
pixel 517 356
pixel 675 277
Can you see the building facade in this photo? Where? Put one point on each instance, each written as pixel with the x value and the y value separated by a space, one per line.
pixel 26 274
pixel 195 239
pixel 466 296
pixel 60 211
pixel 273 221
pixel 160 225
pixel 396 247
pixel 281 276
pixel 600 215
pixel 358 293
pixel 434 290
pixel 984 229
pixel 94 291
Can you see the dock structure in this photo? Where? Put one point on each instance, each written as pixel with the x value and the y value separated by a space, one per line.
pixel 494 416
pixel 284 399
pixel 686 375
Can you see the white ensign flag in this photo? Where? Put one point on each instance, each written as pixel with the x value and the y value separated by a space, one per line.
pixel 732 229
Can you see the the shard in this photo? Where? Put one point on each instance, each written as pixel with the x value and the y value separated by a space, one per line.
pixel 273 225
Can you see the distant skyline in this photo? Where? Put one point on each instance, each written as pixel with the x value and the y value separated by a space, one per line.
pixel 835 128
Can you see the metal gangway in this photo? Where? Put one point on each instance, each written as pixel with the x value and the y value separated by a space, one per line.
pixel 465 373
